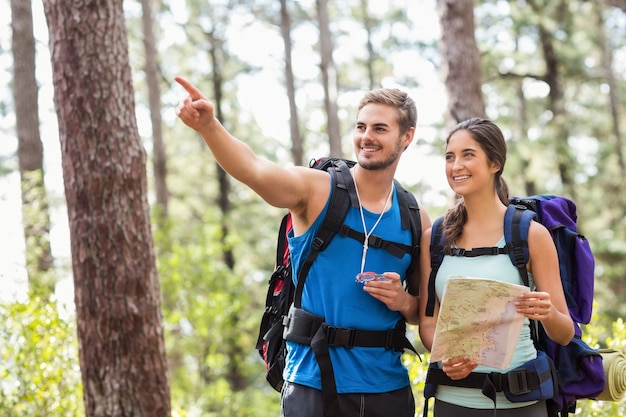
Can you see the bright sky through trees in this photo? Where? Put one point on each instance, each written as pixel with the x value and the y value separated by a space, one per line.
pixel 253 92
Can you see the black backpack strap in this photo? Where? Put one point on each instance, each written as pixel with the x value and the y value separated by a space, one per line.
pixel 338 206
pixel 514 381
pixel 281 273
pixel 281 240
pixel 340 200
pixel 319 345
pixel 410 217
pixel 436 257
pixel 374 241
pixel 302 326
pixel 516 224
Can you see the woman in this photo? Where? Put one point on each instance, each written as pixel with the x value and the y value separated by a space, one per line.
pixel 475 158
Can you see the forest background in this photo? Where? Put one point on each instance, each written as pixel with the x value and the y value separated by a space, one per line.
pixel 286 77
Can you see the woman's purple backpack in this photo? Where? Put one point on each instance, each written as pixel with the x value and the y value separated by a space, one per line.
pixel 580 370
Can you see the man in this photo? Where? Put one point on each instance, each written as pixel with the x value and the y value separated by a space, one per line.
pixel 371 381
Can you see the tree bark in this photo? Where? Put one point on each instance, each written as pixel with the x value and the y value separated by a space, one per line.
pixel 122 354
pixel 223 199
pixel 329 79
pixel 614 103
pixel 35 211
pixel 371 54
pixel 620 4
pixel 236 378
pixel 558 127
pixel 297 151
pixel 460 60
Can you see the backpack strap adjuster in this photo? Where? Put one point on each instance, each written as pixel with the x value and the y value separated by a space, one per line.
pixel 375 241
pixel 339 336
pixel 389 341
pixel 495 250
pixel 317 243
pixel 344 230
pixel 518 382
pixel 519 257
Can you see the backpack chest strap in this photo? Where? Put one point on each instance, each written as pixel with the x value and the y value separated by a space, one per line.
pixel 394 248
pixel 493 250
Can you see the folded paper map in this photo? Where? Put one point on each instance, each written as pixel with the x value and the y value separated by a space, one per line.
pixel 478 318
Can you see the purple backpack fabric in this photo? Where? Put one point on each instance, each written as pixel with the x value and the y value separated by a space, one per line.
pixel 580 370
pixel 576 261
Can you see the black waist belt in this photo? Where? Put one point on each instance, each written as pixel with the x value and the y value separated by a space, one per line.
pixel 516 382
pixel 309 329
pixel 301 326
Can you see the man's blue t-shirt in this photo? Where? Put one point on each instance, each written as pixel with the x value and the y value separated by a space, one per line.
pixel 331 291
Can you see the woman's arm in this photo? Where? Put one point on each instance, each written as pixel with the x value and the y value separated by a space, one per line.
pixel 547 304
pixel 426 324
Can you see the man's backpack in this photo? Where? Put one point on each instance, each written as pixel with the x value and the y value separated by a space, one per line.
pixel 578 367
pixel 283 295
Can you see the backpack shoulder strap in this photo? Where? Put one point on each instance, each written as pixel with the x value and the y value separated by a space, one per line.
pixel 281 241
pixel 409 208
pixel 436 258
pixel 516 224
pixel 340 200
pixel 410 217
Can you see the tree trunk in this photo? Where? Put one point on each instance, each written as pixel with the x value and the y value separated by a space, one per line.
pixel 614 104
pixel 236 377
pixel 558 127
pixel 620 4
pixel 371 54
pixel 297 151
pixel 153 75
pixel 122 354
pixel 522 135
pixel 35 213
pixel 223 199
pixel 460 60
pixel 329 79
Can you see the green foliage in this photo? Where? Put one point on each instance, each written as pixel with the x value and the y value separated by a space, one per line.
pixel 211 321
pixel 417 375
pixel 39 370
pixel 595 335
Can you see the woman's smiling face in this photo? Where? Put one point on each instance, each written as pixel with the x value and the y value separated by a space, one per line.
pixel 468 168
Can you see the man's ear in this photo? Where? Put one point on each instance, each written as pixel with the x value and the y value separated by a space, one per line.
pixel 408 137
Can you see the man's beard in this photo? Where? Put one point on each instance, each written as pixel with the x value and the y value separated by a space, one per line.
pixel 376 165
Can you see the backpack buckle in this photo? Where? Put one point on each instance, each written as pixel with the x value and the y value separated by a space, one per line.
pixel 317 243
pixel 389 340
pixel 518 255
pixel 518 382
pixel 338 336
pixel 375 241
